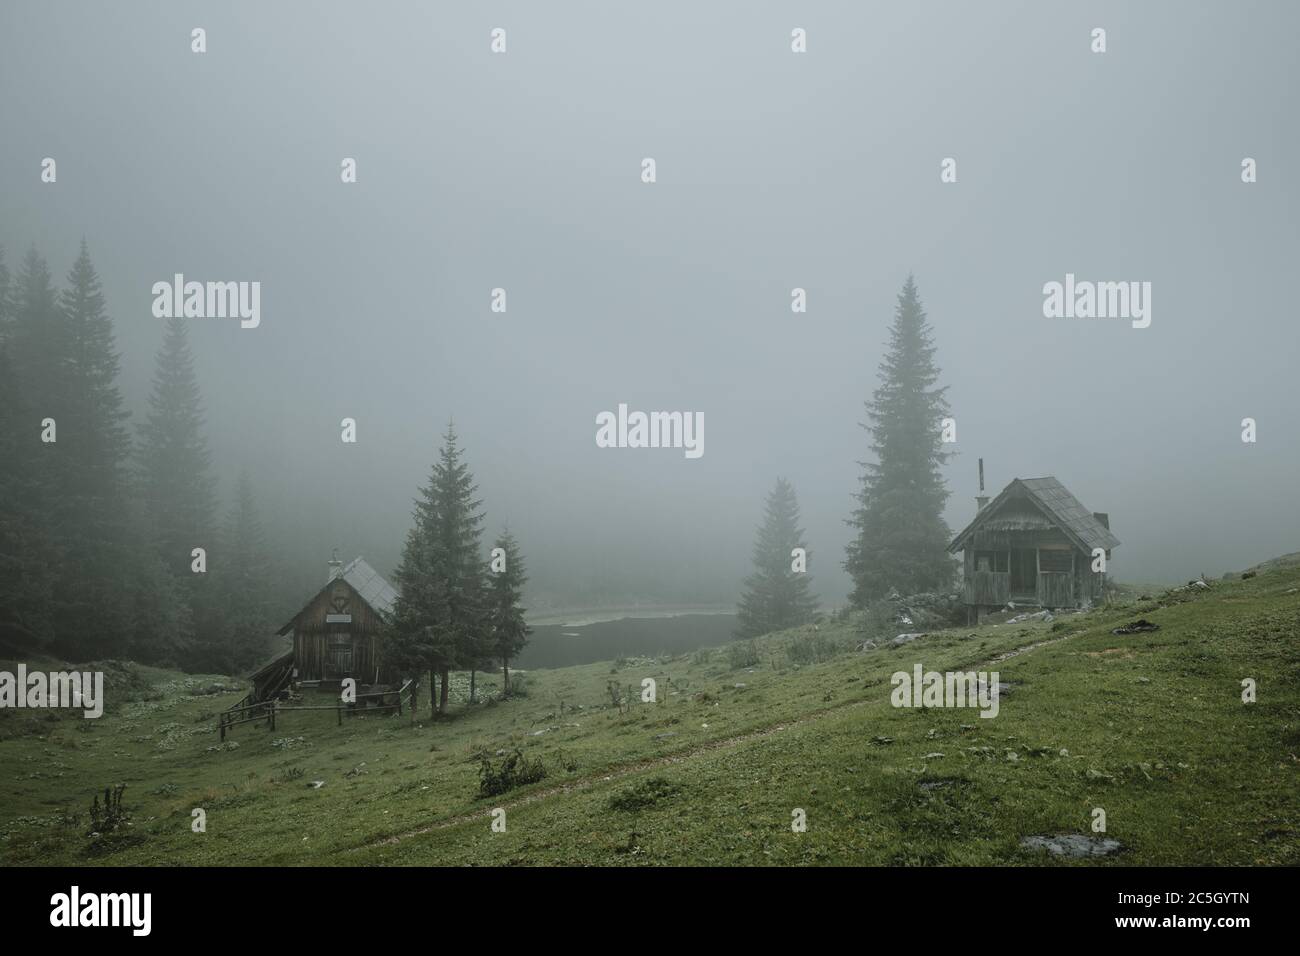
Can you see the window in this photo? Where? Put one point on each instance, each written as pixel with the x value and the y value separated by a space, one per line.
pixel 1055 561
pixel 991 561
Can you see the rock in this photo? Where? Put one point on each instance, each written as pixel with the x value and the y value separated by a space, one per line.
pixel 1248 575
pixel 665 736
pixel 933 756
pixel 904 639
pixel 1072 846
pixel 1043 615
pixel 1136 627
pixel 867 646
pixel 316 784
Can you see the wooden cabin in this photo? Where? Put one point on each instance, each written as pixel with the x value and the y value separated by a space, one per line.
pixel 337 633
pixel 1033 544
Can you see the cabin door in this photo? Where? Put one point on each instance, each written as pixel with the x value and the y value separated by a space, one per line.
pixel 339 659
pixel 1024 573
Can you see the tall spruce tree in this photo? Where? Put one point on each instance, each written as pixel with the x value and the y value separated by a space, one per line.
pixel 28 557
pixel 439 619
pixel 38 339
pixel 176 487
pixel 6 301
pixel 901 537
pixel 94 450
pixel 243 576
pixel 777 595
pixel 506 628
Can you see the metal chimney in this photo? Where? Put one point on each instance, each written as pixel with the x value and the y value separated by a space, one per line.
pixel 981 499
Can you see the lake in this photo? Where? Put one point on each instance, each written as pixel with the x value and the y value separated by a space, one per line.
pixel 563 645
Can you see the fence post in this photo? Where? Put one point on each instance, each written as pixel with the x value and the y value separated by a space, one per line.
pixel 221 723
pixel 339 711
pixel 273 702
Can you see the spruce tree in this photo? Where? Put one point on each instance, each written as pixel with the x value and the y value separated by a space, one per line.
pixel 506 627
pixel 38 339
pixel 176 487
pixel 6 301
pixel 901 537
pixel 28 556
pixel 439 619
pixel 777 595
pixel 94 448
pixel 243 576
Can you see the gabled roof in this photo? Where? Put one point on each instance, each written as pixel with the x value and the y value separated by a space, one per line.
pixel 366 581
pixel 1056 502
pixel 377 592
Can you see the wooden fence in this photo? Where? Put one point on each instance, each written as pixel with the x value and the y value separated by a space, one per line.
pixel 271 710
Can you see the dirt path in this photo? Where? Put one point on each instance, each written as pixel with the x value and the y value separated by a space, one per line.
pixel 626 770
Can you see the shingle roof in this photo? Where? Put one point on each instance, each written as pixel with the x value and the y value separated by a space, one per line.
pixel 367 582
pixel 376 592
pixel 1057 502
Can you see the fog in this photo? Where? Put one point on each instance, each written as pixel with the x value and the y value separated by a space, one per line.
pixel 820 171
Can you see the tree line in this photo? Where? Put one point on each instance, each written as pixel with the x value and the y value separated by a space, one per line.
pixel 900 538
pixel 99 521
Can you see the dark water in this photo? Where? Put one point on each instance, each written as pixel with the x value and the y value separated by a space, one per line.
pixel 548 645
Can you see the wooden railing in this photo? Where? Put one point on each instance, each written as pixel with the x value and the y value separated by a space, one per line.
pixel 269 710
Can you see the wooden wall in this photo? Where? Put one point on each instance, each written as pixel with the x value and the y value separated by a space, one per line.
pixel 313 635
pixel 1063 588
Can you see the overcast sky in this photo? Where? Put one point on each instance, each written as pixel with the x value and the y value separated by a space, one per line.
pixel 775 170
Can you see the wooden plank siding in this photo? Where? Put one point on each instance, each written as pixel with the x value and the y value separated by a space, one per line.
pixel 319 645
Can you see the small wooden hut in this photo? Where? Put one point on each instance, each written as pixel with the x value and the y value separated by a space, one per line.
pixel 1033 544
pixel 337 633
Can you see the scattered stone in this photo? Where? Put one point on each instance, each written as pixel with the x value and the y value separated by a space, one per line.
pixel 316 784
pixel 665 736
pixel 933 756
pixel 904 639
pixel 1043 615
pixel 867 646
pixel 1072 846
pixel 882 740
pixel 1136 627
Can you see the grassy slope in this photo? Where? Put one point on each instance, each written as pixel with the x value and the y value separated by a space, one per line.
pixel 1149 727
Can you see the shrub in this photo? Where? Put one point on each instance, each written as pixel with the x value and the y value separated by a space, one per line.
pixel 742 654
pixel 811 650
pixel 515 770
pixel 647 793
pixel 108 817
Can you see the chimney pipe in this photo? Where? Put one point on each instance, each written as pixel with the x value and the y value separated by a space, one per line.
pixel 981 499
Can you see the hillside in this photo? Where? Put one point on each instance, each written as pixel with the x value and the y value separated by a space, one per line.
pixel 1148 726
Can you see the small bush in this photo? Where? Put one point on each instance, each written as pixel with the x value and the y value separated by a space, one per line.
pixel 742 654
pixel 811 650
pixel 515 770
pixel 646 794
pixel 111 814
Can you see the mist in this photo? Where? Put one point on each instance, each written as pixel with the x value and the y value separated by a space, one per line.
pixel 523 172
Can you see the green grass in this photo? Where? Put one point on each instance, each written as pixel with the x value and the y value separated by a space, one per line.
pixel 1149 727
